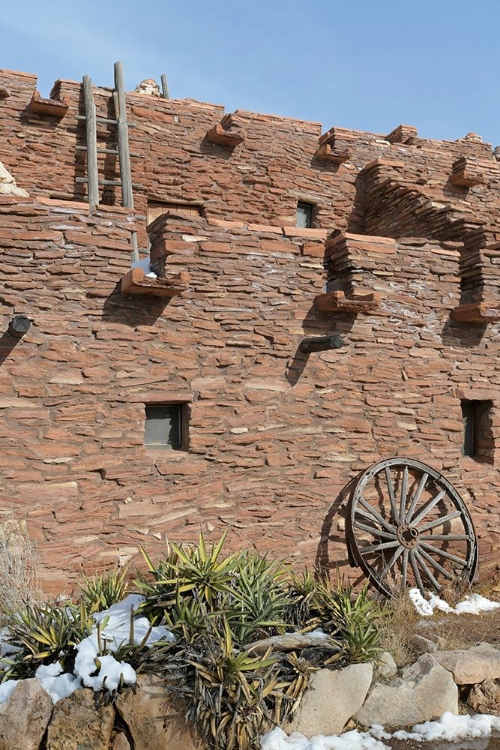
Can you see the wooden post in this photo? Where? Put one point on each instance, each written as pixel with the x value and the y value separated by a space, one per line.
pixel 321 343
pixel 123 147
pixel 90 123
pixel 164 86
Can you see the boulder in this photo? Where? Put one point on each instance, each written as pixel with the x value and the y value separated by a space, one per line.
pixel 79 724
pixel 120 742
pixel 155 716
pixel 485 698
pixel 473 665
pixel 332 698
pixel 24 716
pixel 425 691
pixel 385 667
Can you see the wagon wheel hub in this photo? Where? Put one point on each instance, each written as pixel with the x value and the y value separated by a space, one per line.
pixel 408 526
pixel 407 536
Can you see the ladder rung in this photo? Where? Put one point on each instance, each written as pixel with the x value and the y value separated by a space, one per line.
pixel 109 182
pixel 107 151
pixel 98 119
pixel 99 150
pixel 106 120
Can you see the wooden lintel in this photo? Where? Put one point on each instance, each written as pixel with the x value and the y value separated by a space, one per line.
pixel 338 302
pixel 48 107
pixel 337 156
pixel 136 282
pixel 477 312
pixel 222 137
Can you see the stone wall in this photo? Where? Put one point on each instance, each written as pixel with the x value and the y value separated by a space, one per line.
pixel 274 434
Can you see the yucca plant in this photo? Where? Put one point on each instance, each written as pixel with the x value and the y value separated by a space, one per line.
pixel 45 633
pixel 187 571
pixel 352 618
pixel 227 691
pixel 258 599
pixel 102 591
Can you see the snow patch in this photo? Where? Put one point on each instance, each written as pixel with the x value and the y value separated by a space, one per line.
pixel 449 728
pixel 472 604
pixel 6 689
pixel 56 683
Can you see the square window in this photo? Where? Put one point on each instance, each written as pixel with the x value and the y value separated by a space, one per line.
pixel 304 215
pixel 166 427
pixel 478 439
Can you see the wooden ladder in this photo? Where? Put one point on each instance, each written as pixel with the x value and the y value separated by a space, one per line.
pixel 123 151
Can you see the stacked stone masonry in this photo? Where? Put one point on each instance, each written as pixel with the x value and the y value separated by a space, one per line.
pixel 275 435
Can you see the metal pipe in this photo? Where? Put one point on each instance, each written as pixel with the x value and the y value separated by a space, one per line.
pixel 19 325
pixel 321 343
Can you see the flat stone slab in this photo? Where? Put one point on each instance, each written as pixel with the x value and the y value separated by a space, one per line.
pixel 424 692
pixel 472 665
pixel 332 698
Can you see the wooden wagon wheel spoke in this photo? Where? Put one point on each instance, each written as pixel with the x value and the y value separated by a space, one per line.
pixel 375 532
pixel 403 504
pixel 416 497
pixel 439 521
pixel 443 553
pixel 434 563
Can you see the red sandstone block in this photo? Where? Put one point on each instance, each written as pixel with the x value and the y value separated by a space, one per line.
pixel 314 249
pixel 275 246
pixel 320 234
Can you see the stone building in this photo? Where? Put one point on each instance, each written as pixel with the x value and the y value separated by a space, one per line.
pixel 264 231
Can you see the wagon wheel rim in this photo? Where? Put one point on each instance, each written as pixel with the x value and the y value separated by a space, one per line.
pixel 408 526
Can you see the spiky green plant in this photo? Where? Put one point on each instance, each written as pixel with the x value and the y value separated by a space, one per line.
pixel 102 591
pixel 188 571
pixel 45 633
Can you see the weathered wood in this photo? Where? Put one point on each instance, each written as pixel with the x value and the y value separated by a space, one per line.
pixel 164 86
pixel 321 343
pixel 337 302
pixel 123 145
pixel 91 132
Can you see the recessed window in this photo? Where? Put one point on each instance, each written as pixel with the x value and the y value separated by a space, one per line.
pixel 304 214
pixel 157 208
pixel 478 433
pixel 166 427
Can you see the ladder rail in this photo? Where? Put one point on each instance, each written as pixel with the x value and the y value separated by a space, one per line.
pixel 91 135
pixel 123 145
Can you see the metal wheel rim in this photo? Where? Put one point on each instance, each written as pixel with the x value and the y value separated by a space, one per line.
pixel 405 530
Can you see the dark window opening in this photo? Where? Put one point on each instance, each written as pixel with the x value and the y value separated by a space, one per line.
pixel 166 427
pixel 478 432
pixel 305 215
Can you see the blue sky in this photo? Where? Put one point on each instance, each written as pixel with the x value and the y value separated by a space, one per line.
pixel 363 64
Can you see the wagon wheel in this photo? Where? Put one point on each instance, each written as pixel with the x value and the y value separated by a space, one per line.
pixel 408 526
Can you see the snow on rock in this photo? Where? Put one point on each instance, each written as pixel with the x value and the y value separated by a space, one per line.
pixel 6 689
pixel 472 604
pixel 452 728
pixel 449 728
pixel 99 672
pixel 56 683
pixel 278 740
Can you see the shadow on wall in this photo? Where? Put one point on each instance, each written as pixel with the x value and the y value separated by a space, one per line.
pixel 331 534
pixel 133 310
pixel 320 324
pixel 462 334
